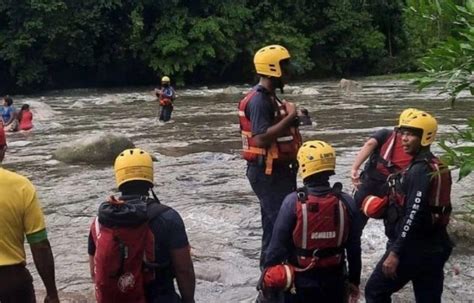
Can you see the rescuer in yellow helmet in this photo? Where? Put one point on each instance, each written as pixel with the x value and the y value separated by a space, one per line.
pixel 270 137
pixel 166 95
pixel 151 234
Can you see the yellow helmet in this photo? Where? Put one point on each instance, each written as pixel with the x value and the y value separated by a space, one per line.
pixel 423 121
pixel 133 164
pixel 267 60
pixel 165 79
pixel 407 113
pixel 315 157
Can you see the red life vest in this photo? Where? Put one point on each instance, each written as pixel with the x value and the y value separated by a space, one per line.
pixel 391 157
pixel 439 197
pixel 26 121
pixel 283 149
pixel 322 228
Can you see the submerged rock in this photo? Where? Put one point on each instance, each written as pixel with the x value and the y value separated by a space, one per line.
pixel 96 149
pixel 306 91
pixel 231 90
pixel 349 86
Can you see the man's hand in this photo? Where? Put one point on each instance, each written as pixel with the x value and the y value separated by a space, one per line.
pixel 51 299
pixel 390 265
pixel 290 108
pixel 354 293
pixel 355 178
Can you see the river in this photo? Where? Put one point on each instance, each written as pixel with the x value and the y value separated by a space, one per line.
pixel 199 172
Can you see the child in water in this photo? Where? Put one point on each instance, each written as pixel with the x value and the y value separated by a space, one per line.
pixel 25 117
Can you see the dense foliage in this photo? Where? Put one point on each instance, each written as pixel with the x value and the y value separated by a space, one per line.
pixel 451 62
pixel 67 43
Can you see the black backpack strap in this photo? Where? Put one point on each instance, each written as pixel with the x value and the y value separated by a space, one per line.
pixel 337 189
pixel 155 209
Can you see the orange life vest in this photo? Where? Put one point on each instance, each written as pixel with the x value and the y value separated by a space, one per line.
pixel 165 101
pixel 439 197
pixel 391 157
pixel 284 148
pixel 321 231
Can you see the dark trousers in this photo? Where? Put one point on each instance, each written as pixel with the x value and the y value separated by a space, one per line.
pixel 16 285
pixel 330 286
pixel 165 112
pixel 271 190
pixel 424 270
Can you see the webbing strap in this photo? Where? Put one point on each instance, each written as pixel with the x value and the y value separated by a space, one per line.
pixel 319 253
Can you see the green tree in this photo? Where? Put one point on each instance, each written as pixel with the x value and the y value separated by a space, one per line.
pixel 452 63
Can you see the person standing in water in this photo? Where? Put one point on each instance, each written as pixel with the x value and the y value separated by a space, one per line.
pixel 21 217
pixel 317 228
pixel 417 213
pixel 166 96
pixel 25 118
pixel 270 137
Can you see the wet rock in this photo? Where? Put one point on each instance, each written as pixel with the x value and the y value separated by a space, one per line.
pixel 461 230
pixel 96 149
pixel 207 273
pixel 348 86
pixel 78 104
pixel 306 91
pixel 42 111
pixel 231 90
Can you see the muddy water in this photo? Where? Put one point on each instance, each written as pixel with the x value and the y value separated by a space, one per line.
pixel 199 173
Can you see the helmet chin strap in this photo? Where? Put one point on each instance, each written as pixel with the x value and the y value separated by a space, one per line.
pixel 277 83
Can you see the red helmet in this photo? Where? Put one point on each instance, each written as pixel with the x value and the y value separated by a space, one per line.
pixel 374 207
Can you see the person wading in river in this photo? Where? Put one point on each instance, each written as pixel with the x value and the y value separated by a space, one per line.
pixel 270 137
pixel 417 212
pixel 387 156
pixel 317 227
pixel 171 255
pixel 166 96
pixel 20 216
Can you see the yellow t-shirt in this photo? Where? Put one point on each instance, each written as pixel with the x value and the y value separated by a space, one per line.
pixel 20 215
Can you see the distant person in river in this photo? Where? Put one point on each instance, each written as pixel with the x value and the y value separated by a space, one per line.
pixel 21 216
pixel 386 156
pixel 303 117
pixel 270 137
pixel 138 246
pixel 416 213
pixel 25 118
pixel 9 115
pixel 318 226
pixel 166 95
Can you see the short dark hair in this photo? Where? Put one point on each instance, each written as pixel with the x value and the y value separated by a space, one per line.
pixel 25 106
pixel 416 131
pixel 9 100
pixel 135 187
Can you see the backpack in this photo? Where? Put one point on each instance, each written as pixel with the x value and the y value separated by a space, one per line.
pixel 322 229
pixel 124 256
